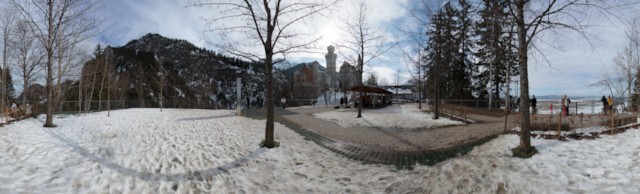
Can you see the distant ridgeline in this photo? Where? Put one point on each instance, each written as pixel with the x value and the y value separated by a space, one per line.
pixel 186 76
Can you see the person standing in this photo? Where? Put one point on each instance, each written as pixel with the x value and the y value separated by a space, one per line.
pixel 283 101
pixel 610 102
pixel 562 104
pixel 534 102
pixel 248 101
pixel 605 105
pixel 568 104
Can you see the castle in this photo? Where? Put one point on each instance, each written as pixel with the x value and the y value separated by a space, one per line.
pixel 311 80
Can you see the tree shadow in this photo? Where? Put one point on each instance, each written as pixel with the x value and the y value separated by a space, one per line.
pixel 198 175
pixel 418 148
pixel 204 118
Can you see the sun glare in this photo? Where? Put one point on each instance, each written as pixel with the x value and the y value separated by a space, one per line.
pixel 329 37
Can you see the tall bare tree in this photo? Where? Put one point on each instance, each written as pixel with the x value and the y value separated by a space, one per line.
pixel 414 51
pixel 269 24
pixel 52 20
pixel 68 62
pixel 620 78
pixel 532 18
pixel 28 56
pixel 7 21
pixel 362 40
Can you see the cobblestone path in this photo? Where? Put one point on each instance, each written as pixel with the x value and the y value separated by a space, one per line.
pixel 402 148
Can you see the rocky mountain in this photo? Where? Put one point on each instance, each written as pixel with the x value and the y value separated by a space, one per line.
pixel 289 72
pixel 154 68
pixel 282 64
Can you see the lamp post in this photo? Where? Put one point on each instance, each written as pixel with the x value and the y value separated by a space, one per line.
pixel 238 93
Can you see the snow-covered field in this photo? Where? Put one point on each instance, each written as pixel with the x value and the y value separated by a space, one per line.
pixel 402 116
pixel 184 151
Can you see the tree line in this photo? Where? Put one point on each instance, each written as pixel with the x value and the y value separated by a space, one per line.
pixel 470 50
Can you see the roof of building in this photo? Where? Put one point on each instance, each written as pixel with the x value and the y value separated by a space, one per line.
pixel 400 91
pixel 370 89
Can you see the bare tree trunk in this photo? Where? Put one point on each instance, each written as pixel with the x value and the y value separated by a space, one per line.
pixel 420 84
pixel 108 71
pixel 58 90
pixel 490 90
pixel 525 133
pixel 436 103
pixel 360 90
pixel 80 94
pixel 93 86
pixel 269 140
pixel 49 48
pixel 506 111
pixel 105 71
pixel 5 36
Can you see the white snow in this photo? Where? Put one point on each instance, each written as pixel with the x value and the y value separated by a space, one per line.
pixel 332 98
pixel 148 151
pixel 403 116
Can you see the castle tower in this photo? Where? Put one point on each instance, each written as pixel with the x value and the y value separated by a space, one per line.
pixel 331 60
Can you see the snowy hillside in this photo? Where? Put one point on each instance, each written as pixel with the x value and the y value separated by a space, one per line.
pixel 186 76
pixel 184 151
pixel 283 64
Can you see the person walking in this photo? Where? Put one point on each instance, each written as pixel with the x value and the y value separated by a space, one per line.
pixel 605 105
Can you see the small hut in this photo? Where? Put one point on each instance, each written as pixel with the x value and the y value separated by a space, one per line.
pixel 373 97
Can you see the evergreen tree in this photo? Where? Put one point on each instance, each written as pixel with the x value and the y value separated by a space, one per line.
pixel 449 52
pixel 8 84
pixel 495 51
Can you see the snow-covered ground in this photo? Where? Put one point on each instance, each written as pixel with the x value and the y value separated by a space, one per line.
pixel 396 116
pixel 184 151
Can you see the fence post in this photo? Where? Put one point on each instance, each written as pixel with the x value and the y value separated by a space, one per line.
pixel 464 108
pixel 559 124
pixel 549 122
pixel 581 117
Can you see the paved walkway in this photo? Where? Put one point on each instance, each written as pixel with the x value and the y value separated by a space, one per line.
pixel 397 147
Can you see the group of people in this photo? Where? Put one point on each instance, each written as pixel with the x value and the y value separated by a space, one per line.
pixel 607 104
pixel 344 101
pixel 566 102
pixel 256 103
pixel 17 111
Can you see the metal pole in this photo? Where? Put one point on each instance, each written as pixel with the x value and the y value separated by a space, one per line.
pixel 238 97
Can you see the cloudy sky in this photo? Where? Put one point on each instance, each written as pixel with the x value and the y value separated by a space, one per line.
pixel 575 63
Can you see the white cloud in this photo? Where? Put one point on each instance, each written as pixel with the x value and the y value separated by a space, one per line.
pixel 128 20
